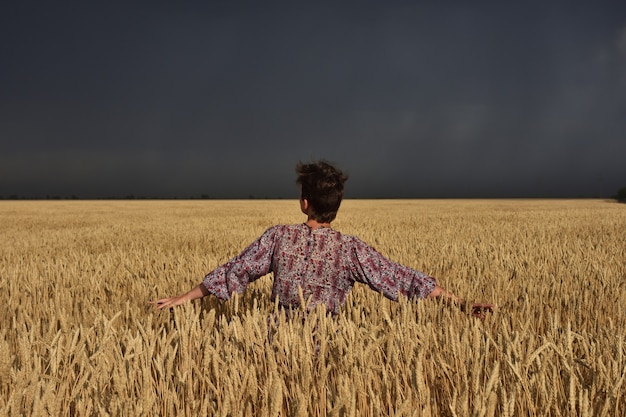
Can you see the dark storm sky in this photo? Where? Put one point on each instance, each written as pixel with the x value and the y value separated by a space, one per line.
pixel 413 99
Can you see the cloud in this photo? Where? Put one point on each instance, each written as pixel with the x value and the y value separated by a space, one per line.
pixel 621 56
pixel 189 99
pixel 621 41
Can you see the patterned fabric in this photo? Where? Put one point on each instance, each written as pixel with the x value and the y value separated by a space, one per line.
pixel 324 263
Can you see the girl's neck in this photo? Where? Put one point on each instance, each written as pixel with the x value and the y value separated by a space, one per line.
pixel 314 224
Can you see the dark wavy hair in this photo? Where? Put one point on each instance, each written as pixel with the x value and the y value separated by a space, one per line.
pixel 322 186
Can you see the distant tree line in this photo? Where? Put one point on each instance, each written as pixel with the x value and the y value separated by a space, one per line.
pixel 620 197
pixel 126 197
pixel 75 197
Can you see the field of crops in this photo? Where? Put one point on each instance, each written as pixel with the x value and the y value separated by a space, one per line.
pixel 77 336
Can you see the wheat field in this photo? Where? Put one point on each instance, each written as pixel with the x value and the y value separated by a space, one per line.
pixel 78 338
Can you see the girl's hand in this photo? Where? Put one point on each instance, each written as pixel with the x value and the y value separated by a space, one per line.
pixel 198 292
pixel 480 309
pixel 170 302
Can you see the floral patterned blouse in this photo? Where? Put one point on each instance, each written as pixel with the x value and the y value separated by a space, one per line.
pixel 323 262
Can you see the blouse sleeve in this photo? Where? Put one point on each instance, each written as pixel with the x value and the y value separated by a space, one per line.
pixel 234 276
pixel 388 277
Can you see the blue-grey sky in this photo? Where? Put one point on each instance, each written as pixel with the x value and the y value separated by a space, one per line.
pixel 413 99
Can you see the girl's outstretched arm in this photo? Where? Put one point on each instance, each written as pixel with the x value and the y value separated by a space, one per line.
pixel 197 292
pixel 478 309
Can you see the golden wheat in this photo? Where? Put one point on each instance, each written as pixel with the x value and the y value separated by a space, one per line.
pixel 78 338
